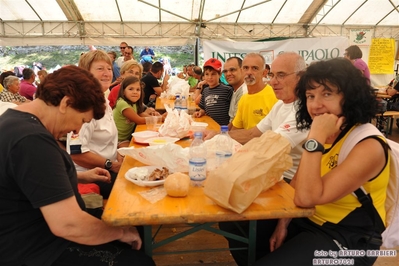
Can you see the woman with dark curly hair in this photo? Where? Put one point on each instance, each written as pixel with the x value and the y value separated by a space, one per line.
pixel 334 99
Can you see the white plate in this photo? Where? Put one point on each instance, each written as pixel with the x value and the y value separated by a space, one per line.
pixel 134 174
pixel 161 140
pixel 142 136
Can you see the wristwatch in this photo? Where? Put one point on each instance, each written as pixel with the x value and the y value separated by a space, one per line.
pixel 108 164
pixel 312 145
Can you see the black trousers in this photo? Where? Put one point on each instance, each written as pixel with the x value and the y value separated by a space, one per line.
pixel 265 229
pixel 109 254
pixel 114 253
pixel 304 244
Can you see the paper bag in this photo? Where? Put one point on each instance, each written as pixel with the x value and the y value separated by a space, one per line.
pixel 257 166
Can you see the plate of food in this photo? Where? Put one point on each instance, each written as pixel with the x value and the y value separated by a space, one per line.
pixel 147 176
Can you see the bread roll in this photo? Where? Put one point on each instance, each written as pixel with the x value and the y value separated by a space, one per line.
pixel 177 184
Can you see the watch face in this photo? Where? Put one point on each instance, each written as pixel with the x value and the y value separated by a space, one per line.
pixel 311 145
pixel 108 164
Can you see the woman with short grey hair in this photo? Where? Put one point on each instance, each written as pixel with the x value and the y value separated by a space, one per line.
pixel 11 91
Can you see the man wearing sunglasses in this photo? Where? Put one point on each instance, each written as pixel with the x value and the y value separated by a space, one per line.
pixel 122 47
pixel 127 56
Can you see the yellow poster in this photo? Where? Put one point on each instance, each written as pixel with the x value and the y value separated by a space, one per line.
pixel 382 56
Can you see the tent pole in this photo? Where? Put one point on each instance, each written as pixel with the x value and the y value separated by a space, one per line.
pixel 196 51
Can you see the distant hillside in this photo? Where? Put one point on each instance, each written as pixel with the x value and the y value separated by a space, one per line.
pixel 53 56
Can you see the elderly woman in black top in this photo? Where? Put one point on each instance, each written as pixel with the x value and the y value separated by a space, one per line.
pixel 43 217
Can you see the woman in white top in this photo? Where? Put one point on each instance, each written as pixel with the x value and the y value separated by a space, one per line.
pixel 95 145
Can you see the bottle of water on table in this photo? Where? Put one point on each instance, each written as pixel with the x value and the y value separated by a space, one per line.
pixel 178 103
pixel 183 104
pixel 197 161
pixel 224 145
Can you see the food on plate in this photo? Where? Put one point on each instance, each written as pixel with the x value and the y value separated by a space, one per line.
pixel 158 174
pixel 140 173
pixel 177 184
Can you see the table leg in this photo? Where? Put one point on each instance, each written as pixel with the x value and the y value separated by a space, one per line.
pixel 252 242
pixel 148 240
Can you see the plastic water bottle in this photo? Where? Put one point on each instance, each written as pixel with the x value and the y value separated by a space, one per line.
pixel 224 145
pixel 183 104
pixel 197 161
pixel 177 103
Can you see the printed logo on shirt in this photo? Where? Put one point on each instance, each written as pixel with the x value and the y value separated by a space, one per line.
pixel 211 100
pixel 259 112
pixel 285 127
pixel 333 161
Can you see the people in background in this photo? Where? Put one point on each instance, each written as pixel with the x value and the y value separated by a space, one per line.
pixel 192 81
pixel 146 55
pixel 183 74
pixel 42 74
pixel 266 74
pixel 354 54
pixel 3 76
pixel 196 73
pixel 127 56
pixel 260 99
pixel 122 48
pixel 235 77
pixel 95 145
pixel 334 99
pixel 11 91
pixel 43 219
pixel 152 88
pixel 115 69
pixel 216 97
pixel 146 67
pixel 27 88
pixel 130 110
pixel 393 87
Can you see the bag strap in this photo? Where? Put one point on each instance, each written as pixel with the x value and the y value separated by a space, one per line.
pixel 359 133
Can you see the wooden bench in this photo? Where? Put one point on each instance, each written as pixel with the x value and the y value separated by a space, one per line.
pixel 388 117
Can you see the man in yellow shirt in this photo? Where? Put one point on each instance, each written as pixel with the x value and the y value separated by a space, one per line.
pixel 259 100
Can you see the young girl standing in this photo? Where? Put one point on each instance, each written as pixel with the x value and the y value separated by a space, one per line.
pixel 130 110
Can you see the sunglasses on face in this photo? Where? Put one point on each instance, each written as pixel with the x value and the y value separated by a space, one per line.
pixel 122 47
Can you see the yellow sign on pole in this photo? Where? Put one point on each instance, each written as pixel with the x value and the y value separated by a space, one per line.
pixel 382 56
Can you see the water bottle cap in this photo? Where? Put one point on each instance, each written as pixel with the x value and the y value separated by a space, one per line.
pixel 224 128
pixel 198 134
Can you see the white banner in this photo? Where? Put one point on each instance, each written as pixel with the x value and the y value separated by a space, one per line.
pixel 311 49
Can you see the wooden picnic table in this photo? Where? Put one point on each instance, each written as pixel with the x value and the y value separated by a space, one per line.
pixel 126 206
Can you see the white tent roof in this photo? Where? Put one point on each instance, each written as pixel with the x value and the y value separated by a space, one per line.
pixel 178 22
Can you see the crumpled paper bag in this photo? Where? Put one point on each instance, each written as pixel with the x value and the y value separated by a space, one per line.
pixel 176 125
pixel 257 166
pixel 173 156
